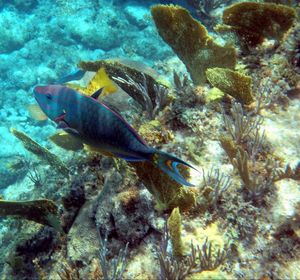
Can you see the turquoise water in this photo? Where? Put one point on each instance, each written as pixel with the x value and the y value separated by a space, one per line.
pixel 105 208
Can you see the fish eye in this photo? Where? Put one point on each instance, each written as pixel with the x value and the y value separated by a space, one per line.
pixel 48 96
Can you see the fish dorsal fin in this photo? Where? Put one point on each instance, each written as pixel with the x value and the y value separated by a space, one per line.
pixel 97 93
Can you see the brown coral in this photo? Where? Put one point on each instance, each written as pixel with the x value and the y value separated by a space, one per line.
pixel 169 193
pixel 41 152
pixel 253 22
pixel 42 211
pixel 190 41
pixel 231 82
pixel 155 133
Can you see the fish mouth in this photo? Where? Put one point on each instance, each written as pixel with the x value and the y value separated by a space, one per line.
pixel 38 89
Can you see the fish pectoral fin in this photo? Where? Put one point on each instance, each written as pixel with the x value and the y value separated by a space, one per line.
pixel 66 141
pixel 97 93
pixel 36 112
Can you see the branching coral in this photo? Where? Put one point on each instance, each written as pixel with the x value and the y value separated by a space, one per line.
pixel 161 94
pixel 33 173
pixel 200 259
pixel 241 126
pixel 212 189
pixel 204 8
pixel 114 269
pixel 255 184
pixel 190 41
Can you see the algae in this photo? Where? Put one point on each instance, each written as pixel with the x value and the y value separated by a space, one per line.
pixel 189 39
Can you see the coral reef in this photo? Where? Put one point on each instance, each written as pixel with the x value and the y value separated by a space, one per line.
pixel 190 41
pixel 155 133
pixel 128 220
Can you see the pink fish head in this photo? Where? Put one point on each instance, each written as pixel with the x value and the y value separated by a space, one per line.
pixel 50 100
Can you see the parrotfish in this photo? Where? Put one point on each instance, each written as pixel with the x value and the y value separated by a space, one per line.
pixel 101 128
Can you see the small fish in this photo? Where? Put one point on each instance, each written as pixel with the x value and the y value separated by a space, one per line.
pixel 74 76
pixel 98 126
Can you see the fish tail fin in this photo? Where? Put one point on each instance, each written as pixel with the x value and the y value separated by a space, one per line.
pixel 168 164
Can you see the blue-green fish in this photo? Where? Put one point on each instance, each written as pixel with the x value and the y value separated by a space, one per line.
pixel 100 127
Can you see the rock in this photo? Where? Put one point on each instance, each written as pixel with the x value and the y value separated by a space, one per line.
pixel 83 243
pixel 10 175
pixel 137 15
pixel 127 216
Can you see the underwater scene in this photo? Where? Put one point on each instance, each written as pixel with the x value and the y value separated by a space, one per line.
pixel 149 139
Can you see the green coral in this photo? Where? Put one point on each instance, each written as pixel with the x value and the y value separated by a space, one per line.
pixel 42 211
pixel 214 94
pixel 189 39
pixel 253 22
pixel 174 226
pixel 231 82
pixel 41 152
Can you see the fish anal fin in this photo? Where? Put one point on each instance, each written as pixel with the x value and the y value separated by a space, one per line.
pixel 129 158
pixel 98 150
